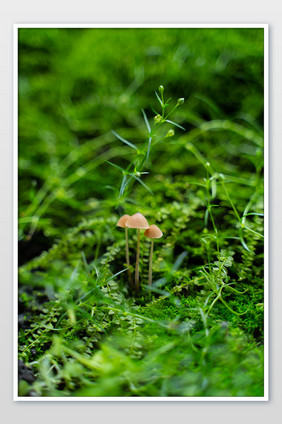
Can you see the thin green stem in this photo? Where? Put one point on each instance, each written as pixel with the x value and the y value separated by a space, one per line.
pixel 137 165
pixel 231 310
pixel 231 202
pixel 209 208
pixel 172 110
pixel 215 230
pixel 215 300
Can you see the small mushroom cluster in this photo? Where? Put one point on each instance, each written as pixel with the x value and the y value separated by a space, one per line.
pixel 139 222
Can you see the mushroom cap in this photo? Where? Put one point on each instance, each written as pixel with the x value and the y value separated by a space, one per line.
pixel 153 232
pixel 121 222
pixel 137 221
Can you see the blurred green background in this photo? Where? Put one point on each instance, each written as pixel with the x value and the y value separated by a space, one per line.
pixel 75 87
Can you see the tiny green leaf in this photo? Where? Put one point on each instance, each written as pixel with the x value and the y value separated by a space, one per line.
pixel 142 183
pixel 149 147
pixel 146 120
pixel 125 141
pixel 174 123
pixel 116 166
pixel 159 99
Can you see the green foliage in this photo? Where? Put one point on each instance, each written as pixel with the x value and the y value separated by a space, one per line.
pixel 97 140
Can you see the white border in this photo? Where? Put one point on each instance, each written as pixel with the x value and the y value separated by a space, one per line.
pixel 15 213
pixel 266 212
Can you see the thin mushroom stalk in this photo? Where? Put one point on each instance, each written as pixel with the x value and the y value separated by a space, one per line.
pixel 121 223
pixel 127 257
pixel 139 222
pixel 137 286
pixel 151 263
pixel 153 232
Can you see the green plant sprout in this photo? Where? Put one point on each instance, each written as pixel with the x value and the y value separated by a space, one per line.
pixel 142 155
pixel 211 181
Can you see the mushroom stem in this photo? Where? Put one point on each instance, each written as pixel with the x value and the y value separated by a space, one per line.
pixel 137 261
pixel 127 256
pixel 150 263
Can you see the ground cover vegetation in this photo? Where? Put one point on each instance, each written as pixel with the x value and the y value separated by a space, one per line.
pixel 163 122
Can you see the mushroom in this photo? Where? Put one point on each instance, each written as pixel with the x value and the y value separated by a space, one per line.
pixel 153 232
pixel 121 223
pixel 139 222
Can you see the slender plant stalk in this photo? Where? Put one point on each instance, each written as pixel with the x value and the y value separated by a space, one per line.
pixel 137 262
pixel 127 257
pixel 150 263
pixel 134 168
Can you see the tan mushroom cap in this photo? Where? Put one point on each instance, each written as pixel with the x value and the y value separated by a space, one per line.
pixel 137 221
pixel 153 232
pixel 121 222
